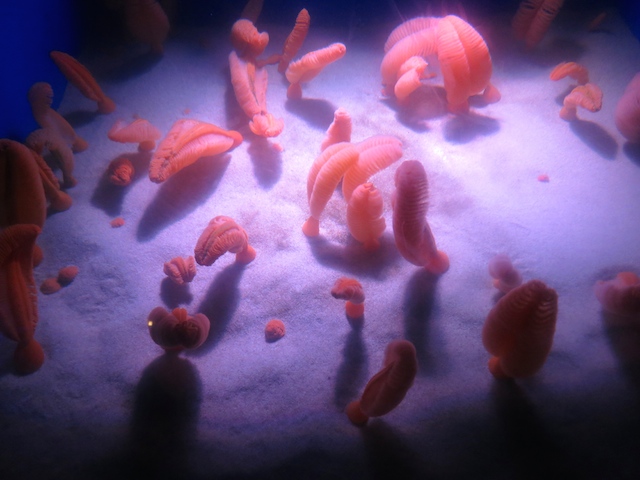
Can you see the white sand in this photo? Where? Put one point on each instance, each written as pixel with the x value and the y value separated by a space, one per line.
pixel 108 403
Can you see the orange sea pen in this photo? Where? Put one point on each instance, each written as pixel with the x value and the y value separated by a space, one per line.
pixel 50 286
pixel 40 97
pixel 186 142
pixel 310 65
pixel 505 276
pixel 411 231
pixel 410 74
pixel 464 60
pixel 620 295
pixel 339 130
pixel 533 18
pixel 587 96
pixel 58 200
pixel 252 10
pixel 387 388
pixel 418 44
pixel 570 69
pixel 364 216
pixel 180 270
pixel 121 171
pixel 139 131
pixel 81 78
pixel 246 39
pixel 147 22
pixel 295 39
pixel 324 176
pixel 519 330
pixel 22 198
pixel 66 275
pixel 177 330
pixel 408 27
pixel 375 154
pixel 274 330
pixel 627 115
pixel 19 305
pixel 250 87
pixel 350 289
pixel 223 235
pixel 47 139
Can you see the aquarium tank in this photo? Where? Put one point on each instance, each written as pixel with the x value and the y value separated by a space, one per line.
pixel 268 239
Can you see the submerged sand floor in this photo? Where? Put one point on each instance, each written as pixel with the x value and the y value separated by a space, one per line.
pixel 107 402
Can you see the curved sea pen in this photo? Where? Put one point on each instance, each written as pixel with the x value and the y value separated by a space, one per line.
pixel 310 65
pixel 627 115
pixel 324 176
pixel 147 22
pixel 588 96
pixel 620 295
pixel 408 27
pixel 387 388
pixel 294 40
pixel 246 39
pixel 533 19
pixel 364 216
pixel 519 330
pixel 505 276
pixel 339 130
pixel 223 235
pixel 139 131
pixel 180 270
pixel 350 290
pixel 375 154
pixel 411 231
pixel 570 69
pixel 464 61
pixel 186 142
pixel 79 76
pixel 18 295
pixel 46 139
pixel 421 44
pixel 176 330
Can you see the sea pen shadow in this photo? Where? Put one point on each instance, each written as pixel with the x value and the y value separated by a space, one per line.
pixel 596 138
pixel 219 304
pixel 418 306
pixel 267 161
pixel 165 415
pixel 353 370
pixel 181 194
pixel 317 113
pixel 173 294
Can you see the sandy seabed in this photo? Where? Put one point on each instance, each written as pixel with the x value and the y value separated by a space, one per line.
pixel 108 404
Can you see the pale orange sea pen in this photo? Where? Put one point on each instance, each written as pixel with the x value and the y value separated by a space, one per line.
pixel 519 330
pixel 533 18
pixel 246 39
pixel 310 65
pixel 18 295
pixel 364 216
pixel 374 154
pixel 47 139
pixel 324 176
pixel 387 388
pixel 40 97
pixel 620 295
pixel 186 142
pixel 505 276
pixel 176 330
pixel 351 290
pixel 81 78
pixel 139 131
pixel 22 197
pixel 339 130
pixel 627 114
pixel 570 69
pixel 180 270
pixel 295 39
pixel 464 59
pixel 588 96
pixel 421 44
pixel 411 231
pixel 223 235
